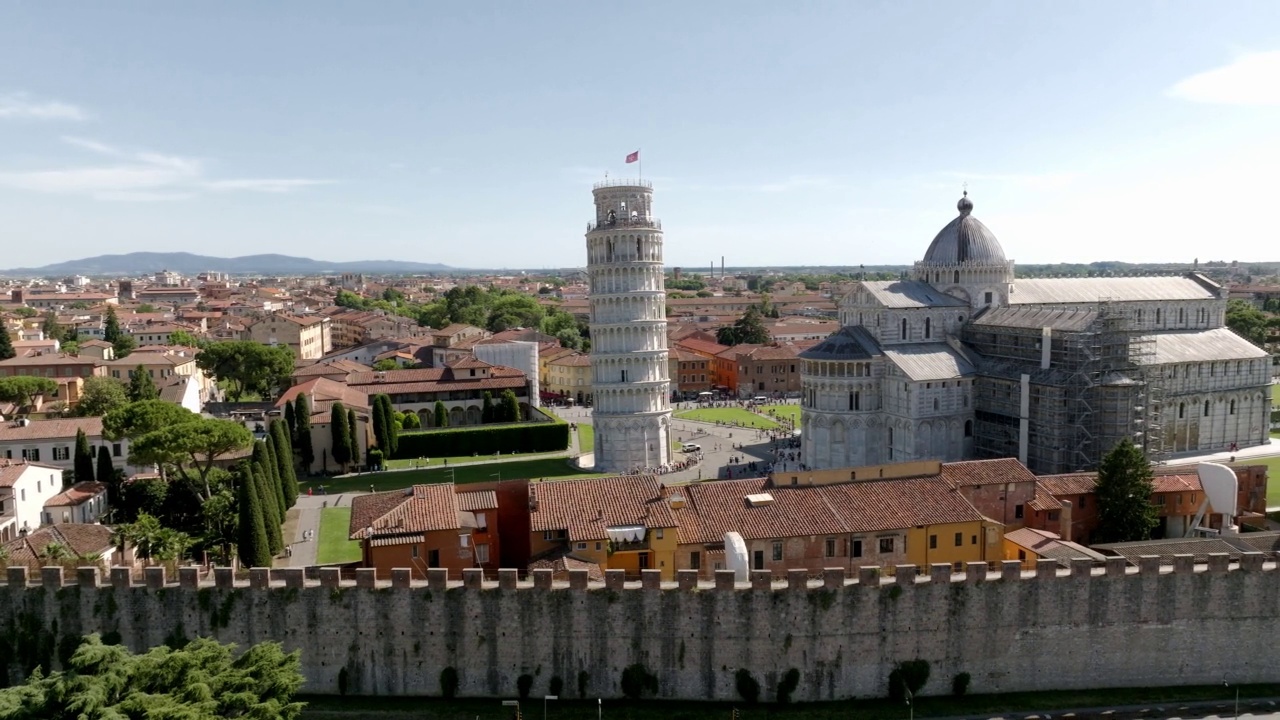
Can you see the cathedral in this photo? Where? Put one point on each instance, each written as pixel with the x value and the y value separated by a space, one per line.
pixel 960 361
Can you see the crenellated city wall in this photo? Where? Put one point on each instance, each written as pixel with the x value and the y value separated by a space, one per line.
pixel 1051 628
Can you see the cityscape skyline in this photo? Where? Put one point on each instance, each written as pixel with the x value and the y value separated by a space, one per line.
pixel 826 135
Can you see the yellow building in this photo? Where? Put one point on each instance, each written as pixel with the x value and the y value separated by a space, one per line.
pixel 569 376
pixel 618 523
pixel 309 337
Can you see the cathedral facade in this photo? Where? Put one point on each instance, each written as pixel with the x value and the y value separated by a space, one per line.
pixel 960 361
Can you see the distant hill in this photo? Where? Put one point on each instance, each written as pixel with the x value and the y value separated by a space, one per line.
pixel 140 263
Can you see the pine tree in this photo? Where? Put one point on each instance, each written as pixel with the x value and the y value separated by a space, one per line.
pixel 442 415
pixel 284 459
pixel 141 386
pixel 353 435
pixel 510 406
pixel 1124 490
pixel 486 413
pixel 83 458
pixel 339 435
pixel 6 343
pixel 252 545
pixel 111 332
pixel 381 433
pixel 389 419
pixel 302 415
pixel 276 479
pixel 270 513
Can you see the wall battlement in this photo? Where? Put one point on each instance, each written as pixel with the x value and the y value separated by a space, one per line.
pixel 1011 630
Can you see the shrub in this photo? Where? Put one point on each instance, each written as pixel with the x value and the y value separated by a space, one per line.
pixel 448 683
pixel 748 687
pixel 539 437
pixel 556 686
pixel 524 684
pixel 960 684
pixel 637 680
pixel 908 675
pixel 787 685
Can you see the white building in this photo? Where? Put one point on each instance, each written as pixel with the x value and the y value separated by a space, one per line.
pixel 962 361
pixel 53 442
pixel 517 354
pixel 25 487
pixel 632 415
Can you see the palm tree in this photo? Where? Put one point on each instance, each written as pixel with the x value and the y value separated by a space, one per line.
pixel 56 553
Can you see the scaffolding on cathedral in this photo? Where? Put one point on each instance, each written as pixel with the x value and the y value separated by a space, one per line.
pixel 1093 385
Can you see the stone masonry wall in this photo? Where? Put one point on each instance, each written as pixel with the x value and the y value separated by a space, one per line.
pixel 1051 628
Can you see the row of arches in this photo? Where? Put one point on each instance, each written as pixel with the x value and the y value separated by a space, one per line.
pixel 837 368
pixel 628 338
pixel 846 442
pixel 605 310
pixel 842 397
pixel 626 400
pixel 630 368
pixel 606 280
pixel 642 247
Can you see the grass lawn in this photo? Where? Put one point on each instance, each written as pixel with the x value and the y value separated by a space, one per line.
pixel 1275 395
pixel 1273 476
pixel 334 546
pixel 551 468
pixel 791 412
pixel 586 438
pixel 330 706
pixel 731 416
pixel 432 462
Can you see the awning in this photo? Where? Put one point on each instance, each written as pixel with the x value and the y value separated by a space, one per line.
pixel 626 533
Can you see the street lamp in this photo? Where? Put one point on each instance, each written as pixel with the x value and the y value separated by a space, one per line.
pixel 545 698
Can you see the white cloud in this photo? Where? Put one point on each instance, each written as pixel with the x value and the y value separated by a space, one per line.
pixel 1252 79
pixel 22 105
pixel 140 177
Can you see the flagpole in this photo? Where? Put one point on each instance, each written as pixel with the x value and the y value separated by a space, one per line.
pixel 640 163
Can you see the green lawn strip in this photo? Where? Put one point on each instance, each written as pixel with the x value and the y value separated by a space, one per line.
pixel 1275 395
pixel 432 462
pixel 791 412
pixel 330 706
pixel 730 416
pixel 334 546
pixel 548 468
pixel 1273 476
pixel 586 438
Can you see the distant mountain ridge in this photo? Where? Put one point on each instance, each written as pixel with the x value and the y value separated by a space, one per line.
pixel 138 263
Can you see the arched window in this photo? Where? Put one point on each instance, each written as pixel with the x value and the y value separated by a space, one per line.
pixel 957 278
pixel 638 245
pixel 1233 407
pixel 968 428
pixel 1206 408
pixel 1182 410
pixel 857 401
pixel 904 328
pixel 935 403
pixel 928 328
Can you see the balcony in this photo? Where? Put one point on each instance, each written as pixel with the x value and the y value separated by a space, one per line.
pixel 626 222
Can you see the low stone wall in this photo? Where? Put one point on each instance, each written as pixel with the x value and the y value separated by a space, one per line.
pixel 1011 630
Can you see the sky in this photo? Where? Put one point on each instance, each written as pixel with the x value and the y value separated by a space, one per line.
pixel 775 133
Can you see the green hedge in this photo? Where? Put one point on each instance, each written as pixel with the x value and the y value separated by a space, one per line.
pixel 506 439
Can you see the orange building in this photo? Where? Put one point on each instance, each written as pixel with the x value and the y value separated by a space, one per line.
pixel 426 526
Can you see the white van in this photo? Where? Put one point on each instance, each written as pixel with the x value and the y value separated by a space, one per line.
pixel 690 448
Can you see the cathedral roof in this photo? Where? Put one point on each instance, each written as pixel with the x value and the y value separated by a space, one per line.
pixel 1201 346
pixel 1036 317
pixel 908 294
pixel 1125 289
pixel 965 240
pixel 849 343
pixel 928 361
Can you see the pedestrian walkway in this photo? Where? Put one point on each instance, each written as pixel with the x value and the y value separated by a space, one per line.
pixel 308 525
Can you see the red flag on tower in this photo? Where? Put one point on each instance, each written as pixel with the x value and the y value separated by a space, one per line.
pixel 634 157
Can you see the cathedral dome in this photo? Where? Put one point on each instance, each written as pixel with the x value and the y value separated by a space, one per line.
pixel 965 240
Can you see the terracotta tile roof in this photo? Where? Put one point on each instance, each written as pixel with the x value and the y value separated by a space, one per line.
pixel 702 346
pixel 435 380
pixel 1085 483
pixel 557 353
pixel 423 508
pixel 987 472
pixel 878 505
pixel 51 429
pixel 456 328
pixel 468 363
pixel 51 359
pixel 784 351
pixel 367 508
pixel 330 367
pixel 1044 501
pixel 76 494
pixel 585 508
pixel 11 471
pixel 573 359
pixel 560 567
pixel 1048 545
pixel 321 393
pixel 732 353
pixel 477 500
pixel 80 539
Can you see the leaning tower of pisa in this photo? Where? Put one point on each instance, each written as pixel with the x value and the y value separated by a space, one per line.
pixel 631 392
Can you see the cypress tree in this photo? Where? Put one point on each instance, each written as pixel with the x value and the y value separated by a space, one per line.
pixel 486 414
pixel 270 513
pixel 393 434
pixel 252 544
pixel 291 419
pixel 442 415
pixel 6 343
pixel 339 435
pixel 106 472
pixel 277 478
pixel 83 458
pixel 381 432
pixel 302 415
pixel 510 406
pixel 352 435
pixel 284 459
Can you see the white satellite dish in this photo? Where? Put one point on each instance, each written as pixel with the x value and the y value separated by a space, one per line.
pixel 735 556
pixel 1221 491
